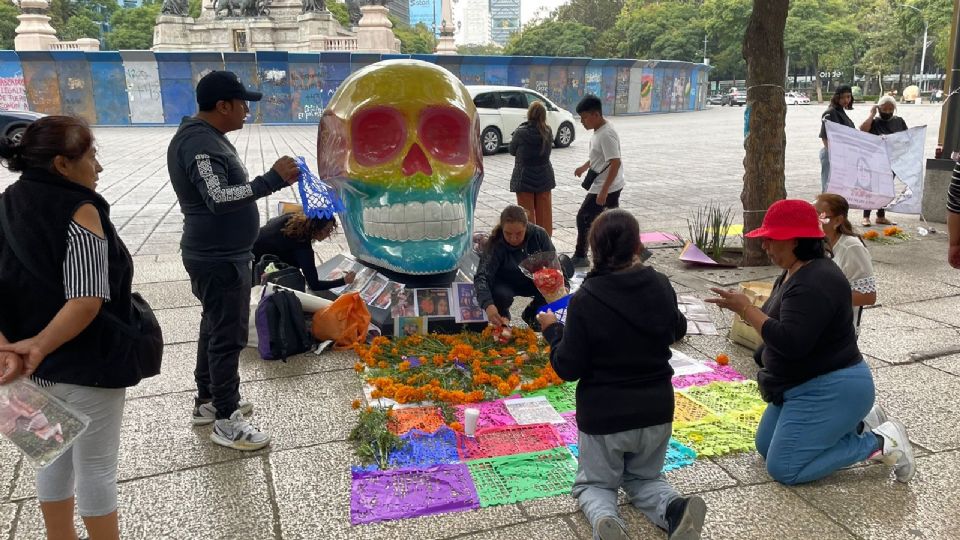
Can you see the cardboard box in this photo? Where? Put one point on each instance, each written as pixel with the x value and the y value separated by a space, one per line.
pixel 740 331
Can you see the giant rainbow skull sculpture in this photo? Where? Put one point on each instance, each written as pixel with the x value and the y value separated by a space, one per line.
pixel 400 141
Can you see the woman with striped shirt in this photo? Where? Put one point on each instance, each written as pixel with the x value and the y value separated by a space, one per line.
pixel 50 327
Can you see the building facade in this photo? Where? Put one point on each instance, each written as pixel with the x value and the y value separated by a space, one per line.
pixel 504 20
pixel 476 22
pixel 427 12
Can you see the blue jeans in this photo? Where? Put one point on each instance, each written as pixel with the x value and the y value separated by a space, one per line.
pixel 824 169
pixel 814 432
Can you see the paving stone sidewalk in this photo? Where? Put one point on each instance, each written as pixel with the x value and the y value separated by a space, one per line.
pixel 176 484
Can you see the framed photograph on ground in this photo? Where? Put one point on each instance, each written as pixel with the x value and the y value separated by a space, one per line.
pixel 360 281
pixel 346 265
pixel 466 308
pixel 402 303
pixel 433 302
pixel 374 287
pixel 385 297
pixel 409 326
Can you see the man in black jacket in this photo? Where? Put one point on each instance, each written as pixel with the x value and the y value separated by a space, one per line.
pixel 220 225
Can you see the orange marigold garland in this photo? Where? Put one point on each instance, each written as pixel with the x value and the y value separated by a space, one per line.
pixel 455 369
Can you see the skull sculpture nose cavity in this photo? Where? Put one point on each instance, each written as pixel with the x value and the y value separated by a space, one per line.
pixel 416 161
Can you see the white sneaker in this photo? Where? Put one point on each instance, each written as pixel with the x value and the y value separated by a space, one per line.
pixel 238 434
pixel 875 418
pixel 205 413
pixel 896 443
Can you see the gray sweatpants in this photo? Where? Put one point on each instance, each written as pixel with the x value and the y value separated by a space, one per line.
pixel 628 459
pixel 90 465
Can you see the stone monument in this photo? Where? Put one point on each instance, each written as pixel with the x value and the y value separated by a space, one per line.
pixel 374 32
pixel 446 44
pixel 264 25
pixel 34 32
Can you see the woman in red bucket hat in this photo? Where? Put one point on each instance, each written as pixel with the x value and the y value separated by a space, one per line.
pixel 819 391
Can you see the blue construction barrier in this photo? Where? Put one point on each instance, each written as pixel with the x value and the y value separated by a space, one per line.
pixel 143 88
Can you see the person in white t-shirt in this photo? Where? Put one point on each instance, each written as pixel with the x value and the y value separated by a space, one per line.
pixel 604 158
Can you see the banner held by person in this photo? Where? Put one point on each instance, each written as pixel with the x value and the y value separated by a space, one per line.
pixel 863 166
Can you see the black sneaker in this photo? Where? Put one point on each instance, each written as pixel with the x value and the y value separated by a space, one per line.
pixel 529 316
pixel 685 517
pixel 580 262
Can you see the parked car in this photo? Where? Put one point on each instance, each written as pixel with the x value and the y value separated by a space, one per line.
pixel 14 123
pixel 796 98
pixel 734 97
pixel 715 99
pixel 503 108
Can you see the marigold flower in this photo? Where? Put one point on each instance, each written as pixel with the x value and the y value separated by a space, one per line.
pixel 355 404
pixel 403 366
pixel 870 235
pixel 358 367
pixel 723 359
pixel 456 426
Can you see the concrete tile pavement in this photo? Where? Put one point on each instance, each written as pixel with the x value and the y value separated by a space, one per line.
pixel 177 484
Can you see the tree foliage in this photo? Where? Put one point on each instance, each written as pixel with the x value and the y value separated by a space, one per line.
pixel 866 37
pixel 8 24
pixel 80 26
pixel 552 38
pixel 490 49
pixel 339 12
pixel 414 39
pixel 133 28
pixel 661 30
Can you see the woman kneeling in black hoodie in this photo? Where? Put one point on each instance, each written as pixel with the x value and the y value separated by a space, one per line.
pixel 616 341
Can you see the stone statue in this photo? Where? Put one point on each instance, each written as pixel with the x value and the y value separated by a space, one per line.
pixel 310 6
pixel 241 8
pixel 353 9
pixel 174 7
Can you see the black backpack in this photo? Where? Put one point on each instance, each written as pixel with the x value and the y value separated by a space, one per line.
pixel 285 275
pixel 281 327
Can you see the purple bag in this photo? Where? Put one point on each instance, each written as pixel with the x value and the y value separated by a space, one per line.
pixel 281 327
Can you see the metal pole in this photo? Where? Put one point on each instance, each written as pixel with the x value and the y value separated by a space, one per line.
pixel 923 57
pixel 950 117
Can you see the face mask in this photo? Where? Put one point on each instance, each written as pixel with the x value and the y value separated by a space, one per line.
pixel 886 115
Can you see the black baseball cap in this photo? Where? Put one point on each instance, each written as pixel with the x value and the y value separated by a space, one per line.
pixel 222 85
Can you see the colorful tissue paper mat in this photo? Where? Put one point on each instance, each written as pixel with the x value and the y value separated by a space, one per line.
pixel 404 493
pixel 716 413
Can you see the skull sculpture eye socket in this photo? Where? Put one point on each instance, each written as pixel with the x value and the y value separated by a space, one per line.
pixel 378 135
pixel 444 132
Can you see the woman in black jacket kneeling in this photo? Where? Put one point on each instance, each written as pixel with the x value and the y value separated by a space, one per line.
pixel 616 341
pixel 498 279
pixel 532 178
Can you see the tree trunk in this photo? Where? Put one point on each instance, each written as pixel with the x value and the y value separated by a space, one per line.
pixel 765 142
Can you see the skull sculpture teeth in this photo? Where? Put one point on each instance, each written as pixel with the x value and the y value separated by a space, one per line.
pixel 400 141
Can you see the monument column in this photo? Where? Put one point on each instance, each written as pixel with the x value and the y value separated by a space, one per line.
pixel 374 32
pixel 446 44
pixel 34 32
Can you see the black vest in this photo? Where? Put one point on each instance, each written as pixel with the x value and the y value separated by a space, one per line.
pixel 39 208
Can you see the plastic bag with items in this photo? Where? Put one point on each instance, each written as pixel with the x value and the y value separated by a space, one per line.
pixel 547 274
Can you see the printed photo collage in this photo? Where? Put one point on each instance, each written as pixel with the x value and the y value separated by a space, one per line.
pixel 698 317
pixel 410 308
